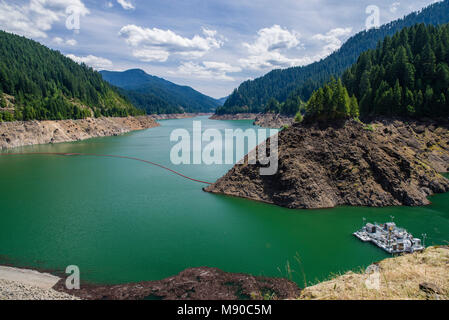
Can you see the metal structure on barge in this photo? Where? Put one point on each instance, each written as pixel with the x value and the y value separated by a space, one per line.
pixel 390 238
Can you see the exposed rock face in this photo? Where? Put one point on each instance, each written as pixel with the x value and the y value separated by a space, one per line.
pixel 270 120
pixel 386 163
pixel 193 284
pixel 18 134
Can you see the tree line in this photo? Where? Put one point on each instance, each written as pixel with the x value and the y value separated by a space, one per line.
pixel 407 75
pixel 46 85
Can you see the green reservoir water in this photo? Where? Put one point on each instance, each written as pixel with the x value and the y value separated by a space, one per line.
pixel 124 221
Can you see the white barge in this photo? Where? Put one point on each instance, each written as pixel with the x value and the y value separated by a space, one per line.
pixel 390 238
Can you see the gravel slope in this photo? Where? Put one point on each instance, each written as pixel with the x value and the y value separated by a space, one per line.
pixel 11 290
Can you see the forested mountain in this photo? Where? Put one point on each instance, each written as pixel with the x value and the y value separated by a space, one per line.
pixel 407 74
pixel 39 83
pixel 222 101
pixel 156 95
pixel 253 96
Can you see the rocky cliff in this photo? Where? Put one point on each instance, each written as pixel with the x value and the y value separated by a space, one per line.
pixel 384 163
pixel 18 134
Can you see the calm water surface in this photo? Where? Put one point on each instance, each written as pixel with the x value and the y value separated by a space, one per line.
pixel 124 221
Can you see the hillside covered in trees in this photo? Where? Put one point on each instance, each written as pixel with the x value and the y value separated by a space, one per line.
pixel 253 96
pixel 406 75
pixel 156 95
pixel 43 84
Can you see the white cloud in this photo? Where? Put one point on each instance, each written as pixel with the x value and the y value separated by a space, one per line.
pixel 265 51
pixel 394 7
pixel 71 42
pixel 221 66
pixel 332 39
pixel 153 54
pixel 92 61
pixel 207 70
pixel 127 5
pixel 36 17
pixel 58 40
pixel 273 39
pixel 157 44
pixel 68 42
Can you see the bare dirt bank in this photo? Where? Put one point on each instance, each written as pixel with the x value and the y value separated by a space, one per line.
pixel 26 133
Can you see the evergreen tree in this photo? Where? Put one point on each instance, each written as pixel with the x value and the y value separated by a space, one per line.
pixel 332 102
pixel 409 77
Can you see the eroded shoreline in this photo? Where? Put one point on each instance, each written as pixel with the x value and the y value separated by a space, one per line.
pixel 27 133
pixel 402 277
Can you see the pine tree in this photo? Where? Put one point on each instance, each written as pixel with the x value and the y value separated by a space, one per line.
pixel 354 107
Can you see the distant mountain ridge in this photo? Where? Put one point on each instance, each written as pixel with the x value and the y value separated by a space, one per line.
pixel 157 95
pixel 222 100
pixel 252 96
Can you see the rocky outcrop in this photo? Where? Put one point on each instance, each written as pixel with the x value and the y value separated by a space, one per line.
pixel 271 120
pixel 18 134
pixel 193 284
pixel 385 163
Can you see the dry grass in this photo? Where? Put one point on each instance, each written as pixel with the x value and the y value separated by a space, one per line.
pixel 400 279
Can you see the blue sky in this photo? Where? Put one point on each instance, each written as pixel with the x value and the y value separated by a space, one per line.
pixel 211 45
